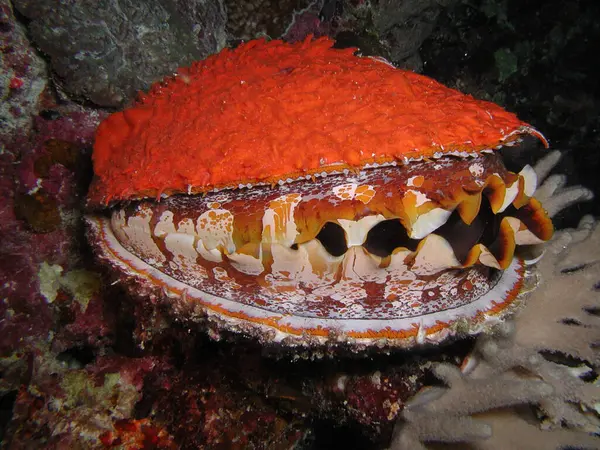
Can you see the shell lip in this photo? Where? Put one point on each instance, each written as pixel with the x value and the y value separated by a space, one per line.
pixel 99 198
pixel 288 330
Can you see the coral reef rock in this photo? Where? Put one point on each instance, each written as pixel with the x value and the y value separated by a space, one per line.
pixel 249 19
pixel 105 51
pixel 22 77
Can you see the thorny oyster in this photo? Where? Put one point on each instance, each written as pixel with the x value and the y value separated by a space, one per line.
pixel 311 197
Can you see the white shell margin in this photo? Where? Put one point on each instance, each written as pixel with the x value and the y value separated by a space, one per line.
pixel 273 327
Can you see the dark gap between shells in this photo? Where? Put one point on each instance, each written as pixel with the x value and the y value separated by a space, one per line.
pixel 462 237
pixel 333 238
pixel 389 235
pixel 386 236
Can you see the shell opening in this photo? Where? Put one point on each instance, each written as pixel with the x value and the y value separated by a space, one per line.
pixel 387 236
pixel 360 251
pixel 333 238
pixel 462 237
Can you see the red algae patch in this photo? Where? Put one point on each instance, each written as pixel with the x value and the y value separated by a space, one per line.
pixel 268 111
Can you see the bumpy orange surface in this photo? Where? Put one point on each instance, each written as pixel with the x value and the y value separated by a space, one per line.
pixel 271 110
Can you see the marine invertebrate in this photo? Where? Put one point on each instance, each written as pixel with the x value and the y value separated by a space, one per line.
pixel 309 196
pixel 517 363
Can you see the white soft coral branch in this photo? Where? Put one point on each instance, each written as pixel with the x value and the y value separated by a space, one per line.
pixel 557 316
pixel 552 193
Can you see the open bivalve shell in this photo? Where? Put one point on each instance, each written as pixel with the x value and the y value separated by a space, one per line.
pixel 403 247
